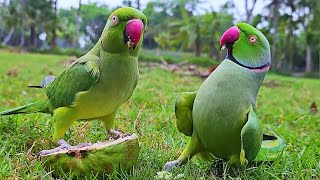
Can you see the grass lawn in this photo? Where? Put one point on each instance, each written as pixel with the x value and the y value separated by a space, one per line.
pixel 283 105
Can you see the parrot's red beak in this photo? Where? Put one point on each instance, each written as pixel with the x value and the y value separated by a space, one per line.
pixel 133 31
pixel 230 36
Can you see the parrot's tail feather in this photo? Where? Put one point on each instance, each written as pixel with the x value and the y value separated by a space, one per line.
pixel 35 87
pixel 271 148
pixel 27 109
pixel 47 80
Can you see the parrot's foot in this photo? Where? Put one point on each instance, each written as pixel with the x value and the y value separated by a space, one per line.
pixel 217 169
pixel 171 165
pixel 243 159
pixel 117 134
pixel 63 146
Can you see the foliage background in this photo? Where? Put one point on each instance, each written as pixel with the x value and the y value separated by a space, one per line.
pixel 174 26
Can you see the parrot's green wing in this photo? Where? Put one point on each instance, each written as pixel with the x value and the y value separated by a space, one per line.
pixel 80 76
pixel 183 111
pixel 251 137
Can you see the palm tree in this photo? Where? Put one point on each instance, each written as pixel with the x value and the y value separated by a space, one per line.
pixel 187 31
pixel 214 24
pixel 309 11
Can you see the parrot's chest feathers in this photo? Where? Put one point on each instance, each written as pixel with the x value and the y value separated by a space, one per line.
pixel 222 103
pixel 117 81
pixel 229 93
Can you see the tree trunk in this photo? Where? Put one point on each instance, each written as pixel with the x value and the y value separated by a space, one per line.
pixel 1 33
pixel 128 3
pixel 274 19
pixel 77 27
pixel 8 37
pixel 54 28
pixel 198 43
pixel 211 49
pixel 32 35
pixel 198 49
pixel 288 52
pixel 319 62
pixel 22 39
pixel 138 4
pixel 308 59
pixel 249 10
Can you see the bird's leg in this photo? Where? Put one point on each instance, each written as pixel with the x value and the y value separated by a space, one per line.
pixel 114 134
pixel 117 134
pixel 63 117
pixel 193 147
pixel 108 122
pixel 172 164
pixel 63 145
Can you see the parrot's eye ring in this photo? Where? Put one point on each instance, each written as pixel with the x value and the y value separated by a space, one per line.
pixel 114 20
pixel 253 39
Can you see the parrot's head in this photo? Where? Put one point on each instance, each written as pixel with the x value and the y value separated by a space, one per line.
pixel 123 33
pixel 247 47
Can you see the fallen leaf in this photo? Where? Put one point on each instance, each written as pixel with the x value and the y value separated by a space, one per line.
pixel 13 72
pixel 271 84
pixel 313 108
pixel 209 71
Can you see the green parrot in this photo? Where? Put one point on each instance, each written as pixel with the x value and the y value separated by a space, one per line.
pixel 220 117
pixel 96 84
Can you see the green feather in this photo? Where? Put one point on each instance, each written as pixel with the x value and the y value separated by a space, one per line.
pixel 183 111
pixel 61 92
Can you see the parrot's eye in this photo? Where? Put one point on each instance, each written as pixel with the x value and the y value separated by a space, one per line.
pixel 114 20
pixel 253 39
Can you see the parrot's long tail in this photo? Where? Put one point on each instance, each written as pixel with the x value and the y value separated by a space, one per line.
pixel 272 147
pixel 27 109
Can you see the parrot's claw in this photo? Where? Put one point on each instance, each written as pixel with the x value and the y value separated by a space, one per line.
pixel 63 145
pixel 117 134
pixel 171 165
pixel 243 160
pixel 81 145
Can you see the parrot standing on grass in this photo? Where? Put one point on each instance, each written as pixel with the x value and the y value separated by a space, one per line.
pixel 220 117
pixel 96 84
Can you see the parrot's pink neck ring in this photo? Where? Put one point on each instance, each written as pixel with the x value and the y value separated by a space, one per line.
pixel 263 69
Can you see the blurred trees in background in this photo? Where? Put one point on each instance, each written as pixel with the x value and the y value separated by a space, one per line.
pixel 182 25
pixel 26 18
